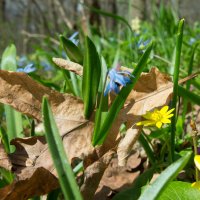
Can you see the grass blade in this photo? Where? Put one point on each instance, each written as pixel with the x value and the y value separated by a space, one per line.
pixel 13 118
pixel 150 154
pixel 188 83
pixel 188 95
pixel 66 177
pixel 75 84
pixel 153 191
pixel 73 52
pixel 175 87
pixel 4 139
pixel 100 136
pixel 91 77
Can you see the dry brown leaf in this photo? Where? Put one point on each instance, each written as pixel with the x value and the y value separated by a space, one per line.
pixel 69 65
pixel 126 144
pixel 25 95
pixel 93 175
pixel 153 89
pixel 4 159
pixel 41 182
pixel 117 178
pixel 33 175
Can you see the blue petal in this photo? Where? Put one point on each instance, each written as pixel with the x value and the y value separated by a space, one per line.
pixel 20 70
pixel 112 73
pixel 107 89
pixel 73 36
pixel 121 79
pixel 114 87
pixel 117 78
pixel 126 72
pixel 127 79
pixel 29 68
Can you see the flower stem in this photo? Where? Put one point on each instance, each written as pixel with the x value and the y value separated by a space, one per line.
pixel 194 138
pixel 175 87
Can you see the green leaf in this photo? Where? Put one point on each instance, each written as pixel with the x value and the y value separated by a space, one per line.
pixel 188 83
pixel 91 77
pixel 150 154
pixel 13 118
pixel 6 175
pixel 53 195
pixel 153 191
pixel 8 61
pixel 179 190
pixel 75 83
pixel 191 96
pixel 134 192
pixel 66 177
pixel 100 136
pixel 175 86
pixel 5 140
pixel 73 52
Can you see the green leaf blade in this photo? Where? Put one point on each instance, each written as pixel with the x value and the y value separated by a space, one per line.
pixel 153 191
pixel 180 190
pixel 175 86
pixel 91 77
pixel 65 173
pixel 73 52
pixel 119 101
pixel 13 118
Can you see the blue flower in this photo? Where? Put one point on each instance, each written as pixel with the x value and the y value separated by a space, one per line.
pixel 141 44
pixel 73 38
pixel 22 61
pixel 117 78
pixel 27 69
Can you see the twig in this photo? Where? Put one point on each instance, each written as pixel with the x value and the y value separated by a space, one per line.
pixel 62 13
pixel 36 35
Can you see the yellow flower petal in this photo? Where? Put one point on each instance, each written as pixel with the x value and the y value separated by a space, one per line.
pixel 149 123
pixel 145 123
pixel 170 111
pixel 157 117
pixel 196 185
pixel 164 110
pixel 197 161
pixel 169 116
pixel 147 115
pixel 166 121
pixel 159 124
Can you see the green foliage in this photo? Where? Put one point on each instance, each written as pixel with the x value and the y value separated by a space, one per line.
pixel 13 118
pixel 73 52
pixel 113 47
pixel 175 87
pixel 91 77
pixel 65 173
pixel 149 151
pixel 155 189
pixel 179 190
pixel 100 136
pixel 191 96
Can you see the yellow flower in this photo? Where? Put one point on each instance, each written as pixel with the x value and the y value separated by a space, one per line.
pixel 197 161
pixel 196 185
pixel 157 117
